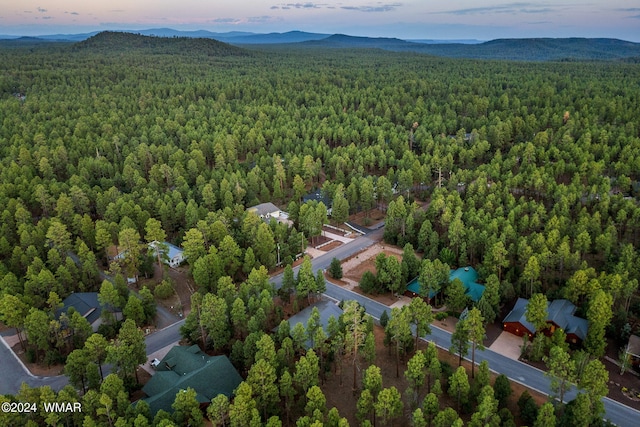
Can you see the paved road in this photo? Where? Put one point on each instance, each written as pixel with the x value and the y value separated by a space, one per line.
pixel 522 373
pixel 617 413
pixel 519 372
pixel 341 252
pixel 13 373
pixel 164 317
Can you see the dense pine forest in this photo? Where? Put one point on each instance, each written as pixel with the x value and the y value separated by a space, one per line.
pixel 530 172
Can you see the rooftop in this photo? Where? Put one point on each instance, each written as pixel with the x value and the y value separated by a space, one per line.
pixel 560 312
pixel 264 209
pixel 633 347
pixel 172 250
pixel 317 196
pixel 85 303
pixel 185 367
pixel 326 309
pixel 468 277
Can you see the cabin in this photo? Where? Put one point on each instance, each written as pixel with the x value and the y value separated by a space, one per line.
pixel 87 304
pixel 467 275
pixel 185 367
pixel 560 314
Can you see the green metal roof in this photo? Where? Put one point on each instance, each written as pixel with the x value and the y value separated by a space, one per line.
pixel 468 277
pixel 185 367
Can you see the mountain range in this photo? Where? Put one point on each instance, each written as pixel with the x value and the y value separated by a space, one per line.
pixel 535 49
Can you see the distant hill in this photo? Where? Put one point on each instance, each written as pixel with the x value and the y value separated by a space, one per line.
pixel 18 41
pixel 538 49
pixel 566 49
pixel 202 34
pixel 110 41
pixel 443 41
pixel 342 40
pixel 272 38
pixel 511 49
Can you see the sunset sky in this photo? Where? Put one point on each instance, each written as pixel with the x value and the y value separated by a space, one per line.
pixel 412 19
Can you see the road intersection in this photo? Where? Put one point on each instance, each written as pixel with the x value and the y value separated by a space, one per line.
pixel 13 373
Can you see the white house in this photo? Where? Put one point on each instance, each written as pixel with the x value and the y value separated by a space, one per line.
pixel 174 256
pixel 266 211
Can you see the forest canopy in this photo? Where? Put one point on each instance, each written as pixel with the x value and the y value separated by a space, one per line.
pixel 529 171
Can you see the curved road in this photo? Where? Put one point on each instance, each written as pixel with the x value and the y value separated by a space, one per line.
pixel 517 371
pixel 12 374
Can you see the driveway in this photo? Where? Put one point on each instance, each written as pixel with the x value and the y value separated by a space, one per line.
pixel 515 370
pixel 507 345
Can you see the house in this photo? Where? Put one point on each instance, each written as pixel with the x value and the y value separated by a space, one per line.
pixel 318 197
pixel 185 367
pixel 467 275
pixel 560 314
pixel 633 349
pixel 174 255
pixel 87 304
pixel 266 211
pixel 326 309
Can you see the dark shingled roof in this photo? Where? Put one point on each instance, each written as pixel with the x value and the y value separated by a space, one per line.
pixel 326 309
pixel 559 311
pixel 85 303
pixel 185 367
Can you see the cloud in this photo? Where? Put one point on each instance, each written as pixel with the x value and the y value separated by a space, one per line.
pixel 248 20
pixel 226 21
pixel 259 19
pixel 539 22
pixel 307 5
pixel 630 10
pixel 41 10
pixel 380 8
pixel 47 17
pixel 304 6
pixel 510 8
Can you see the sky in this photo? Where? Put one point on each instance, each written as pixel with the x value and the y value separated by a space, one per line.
pixel 407 19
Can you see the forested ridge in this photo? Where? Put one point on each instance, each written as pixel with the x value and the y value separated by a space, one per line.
pixel 528 171
pixel 112 41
